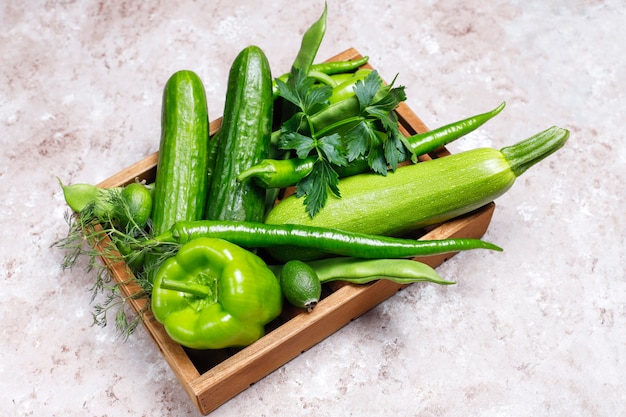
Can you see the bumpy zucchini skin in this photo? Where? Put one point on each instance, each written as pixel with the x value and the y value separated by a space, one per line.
pixel 411 197
pixel 181 179
pixel 244 139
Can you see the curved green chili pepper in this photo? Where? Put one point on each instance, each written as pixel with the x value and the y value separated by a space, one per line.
pixel 340 67
pixel 309 46
pixel 327 240
pixel 279 173
pixel 422 143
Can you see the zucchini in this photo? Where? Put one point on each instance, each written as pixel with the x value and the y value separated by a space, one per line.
pixel 244 139
pixel 421 194
pixel 181 187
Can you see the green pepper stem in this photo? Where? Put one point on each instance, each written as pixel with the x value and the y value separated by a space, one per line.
pixel 528 152
pixel 262 170
pixel 198 290
pixel 278 173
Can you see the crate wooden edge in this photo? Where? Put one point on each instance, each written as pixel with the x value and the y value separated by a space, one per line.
pixel 221 383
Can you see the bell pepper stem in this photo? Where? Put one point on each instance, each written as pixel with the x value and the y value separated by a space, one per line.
pixel 198 290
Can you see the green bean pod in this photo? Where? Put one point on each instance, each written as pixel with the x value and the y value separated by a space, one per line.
pixel 311 41
pixel 363 271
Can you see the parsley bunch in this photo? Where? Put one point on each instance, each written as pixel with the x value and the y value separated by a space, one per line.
pixel 371 134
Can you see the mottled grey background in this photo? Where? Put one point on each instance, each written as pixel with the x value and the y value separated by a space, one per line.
pixel 536 330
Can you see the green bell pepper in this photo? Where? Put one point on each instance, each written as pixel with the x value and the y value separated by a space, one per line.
pixel 214 294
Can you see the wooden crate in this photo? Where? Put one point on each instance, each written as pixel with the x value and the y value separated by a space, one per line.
pixel 211 378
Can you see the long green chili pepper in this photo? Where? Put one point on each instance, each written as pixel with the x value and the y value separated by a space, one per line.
pixel 420 143
pixel 328 240
pixel 340 67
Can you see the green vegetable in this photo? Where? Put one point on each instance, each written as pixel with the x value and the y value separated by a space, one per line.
pixel 285 173
pixel 347 87
pixel 80 196
pixel 244 139
pixel 127 207
pixel 213 294
pixel 370 130
pixel 338 71
pixel 423 143
pixel 340 67
pixel 311 41
pixel 424 193
pixel 362 271
pixel 313 240
pixel 279 173
pixel 300 285
pixel 138 208
pixel 120 214
pixel 301 282
pixel 181 178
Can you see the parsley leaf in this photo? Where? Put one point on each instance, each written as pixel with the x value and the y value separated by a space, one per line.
pixel 369 133
pixel 395 149
pixel 302 144
pixel 366 90
pixel 315 186
pixel 331 146
pixel 300 91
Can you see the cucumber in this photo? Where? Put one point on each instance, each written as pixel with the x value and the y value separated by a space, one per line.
pixel 181 178
pixel 421 194
pixel 244 139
